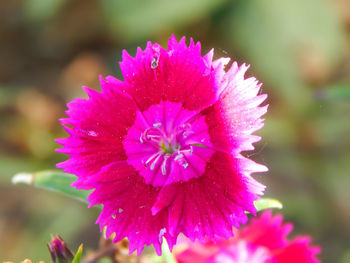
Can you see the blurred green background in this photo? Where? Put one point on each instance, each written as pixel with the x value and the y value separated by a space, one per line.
pixel 299 49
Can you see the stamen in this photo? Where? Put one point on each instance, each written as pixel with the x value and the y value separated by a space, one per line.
pixel 185 126
pixel 151 158
pixel 163 167
pixel 151 134
pixel 183 131
pixel 178 157
pixel 153 164
pixel 189 149
pixel 182 161
pixel 173 147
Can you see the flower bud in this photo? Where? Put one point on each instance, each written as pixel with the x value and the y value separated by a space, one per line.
pixel 59 250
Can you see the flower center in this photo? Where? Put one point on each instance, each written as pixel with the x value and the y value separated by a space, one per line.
pixel 168 144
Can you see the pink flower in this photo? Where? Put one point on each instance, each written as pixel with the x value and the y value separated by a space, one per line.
pixel 264 240
pixel 162 148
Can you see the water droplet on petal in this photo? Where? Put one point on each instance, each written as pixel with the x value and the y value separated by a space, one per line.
pixel 92 133
pixel 89 133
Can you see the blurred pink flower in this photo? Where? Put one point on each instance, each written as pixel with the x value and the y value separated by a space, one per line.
pixel 162 148
pixel 264 240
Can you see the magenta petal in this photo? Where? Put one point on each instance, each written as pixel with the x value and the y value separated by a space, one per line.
pixel 263 240
pixel 299 250
pixel 162 149
pixel 95 139
pixel 178 74
pixel 268 231
pixel 236 115
pixel 163 144
pixel 126 212
pixel 208 206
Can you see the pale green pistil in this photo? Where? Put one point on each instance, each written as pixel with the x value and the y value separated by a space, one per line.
pixel 167 149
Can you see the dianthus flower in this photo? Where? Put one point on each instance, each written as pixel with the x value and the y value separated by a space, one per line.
pixel 264 240
pixel 162 149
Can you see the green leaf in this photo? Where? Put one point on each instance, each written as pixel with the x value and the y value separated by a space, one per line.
pixel 282 38
pixel 78 255
pixel 139 19
pixel 338 91
pixel 199 145
pixel 267 203
pixel 38 10
pixel 52 180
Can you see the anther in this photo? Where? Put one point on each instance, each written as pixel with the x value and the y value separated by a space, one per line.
pixel 157 125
